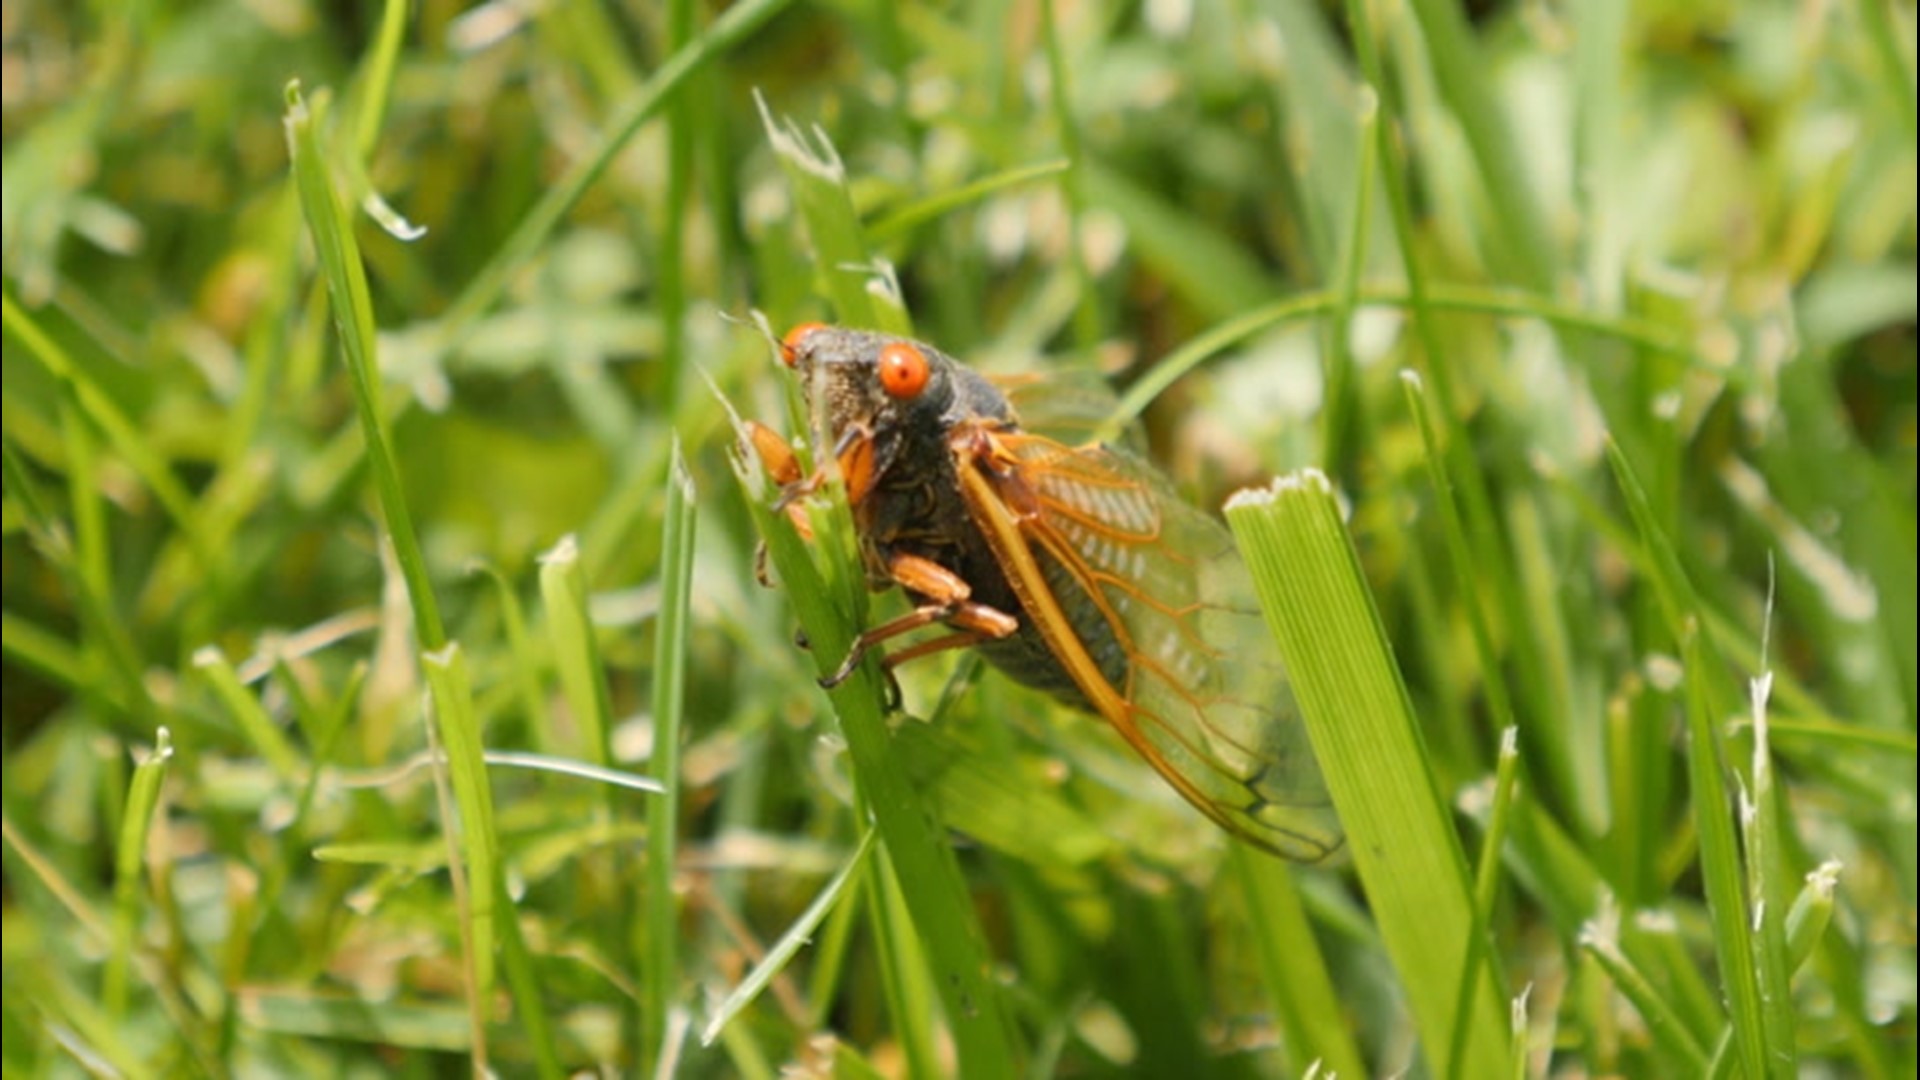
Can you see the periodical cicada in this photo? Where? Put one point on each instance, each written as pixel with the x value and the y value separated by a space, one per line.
pixel 1074 569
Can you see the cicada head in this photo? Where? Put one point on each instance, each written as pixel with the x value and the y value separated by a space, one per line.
pixel 888 389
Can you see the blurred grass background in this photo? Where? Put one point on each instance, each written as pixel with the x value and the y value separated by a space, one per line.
pixel 1653 265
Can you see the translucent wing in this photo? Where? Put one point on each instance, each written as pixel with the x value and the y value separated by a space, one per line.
pixel 1145 602
pixel 1067 406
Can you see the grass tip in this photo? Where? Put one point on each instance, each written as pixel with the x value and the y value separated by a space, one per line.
pixel 1602 932
pixel 1664 673
pixel 1309 480
pixel 790 142
pixel 564 551
pixel 1823 878
pixel 1476 799
pixel 162 748
pixel 1656 921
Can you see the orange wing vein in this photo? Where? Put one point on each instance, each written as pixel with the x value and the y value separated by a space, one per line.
pixel 1104 557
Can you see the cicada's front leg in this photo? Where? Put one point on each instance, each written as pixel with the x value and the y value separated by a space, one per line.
pixel 783 467
pixel 853 455
pixel 948 601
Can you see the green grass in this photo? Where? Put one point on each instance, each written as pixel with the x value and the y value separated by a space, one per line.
pixel 386 685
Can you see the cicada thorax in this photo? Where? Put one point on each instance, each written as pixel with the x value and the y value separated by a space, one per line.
pixel 915 508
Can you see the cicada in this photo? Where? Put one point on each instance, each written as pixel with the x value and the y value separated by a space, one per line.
pixel 1074 569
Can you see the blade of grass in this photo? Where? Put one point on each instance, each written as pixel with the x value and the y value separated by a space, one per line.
pixel 526 664
pixel 352 305
pixel 125 436
pixel 1766 877
pixel 1466 570
pixel 267 738
pixel 125 689
pixel 130 855
pixel 904 220
pixel 1601 941
pixel 682 116
pixel 1302 991
pixel 1464 468
pixel 1484 301
pixel 377 77
pixel 530 1012
pixel 905 980
pixel 449 687
pixel 1368 743
pixel 1340 413
pixel 576 649
pixel 1486 884
pixel 1719 848
pixel 528 238
pixel 936 896
pixel 1463 74
pixel 789 945
pixel 453 734
pixel 917 870
pixel 669 706
pixel 848 272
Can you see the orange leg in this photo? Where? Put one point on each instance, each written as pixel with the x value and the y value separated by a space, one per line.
pixel 959 639
pixel 783 467
pixel 948 603
pixel 775 455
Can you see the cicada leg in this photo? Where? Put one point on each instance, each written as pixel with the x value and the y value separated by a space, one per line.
pixel 948 602
pixel 783 467
pixel 853 454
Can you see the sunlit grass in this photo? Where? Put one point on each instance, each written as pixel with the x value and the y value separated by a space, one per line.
pixel 364 444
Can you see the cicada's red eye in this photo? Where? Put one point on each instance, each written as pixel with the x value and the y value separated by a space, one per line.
pixel 903 370
pixel 796 337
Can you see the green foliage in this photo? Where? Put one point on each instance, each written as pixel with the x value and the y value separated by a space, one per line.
pixel 1598 316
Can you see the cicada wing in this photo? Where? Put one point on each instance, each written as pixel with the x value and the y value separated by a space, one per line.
pixel 1069 407
pixel 1156 620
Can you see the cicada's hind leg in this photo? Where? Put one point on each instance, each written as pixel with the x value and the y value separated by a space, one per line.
pixel 948 601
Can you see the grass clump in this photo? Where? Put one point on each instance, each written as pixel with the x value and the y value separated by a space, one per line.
pixel 1598 319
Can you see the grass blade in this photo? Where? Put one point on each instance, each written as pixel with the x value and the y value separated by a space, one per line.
pixel 130 856
pixel 669 707
pixel 1368 742
pixel 537 226
pixel 450 689
pixel 576 650
pixel 1706 772
pixel 859 284
pixel 796 938
pixel 122 432
pixel 830 600
pixel 1294 967
pixel 1486 884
